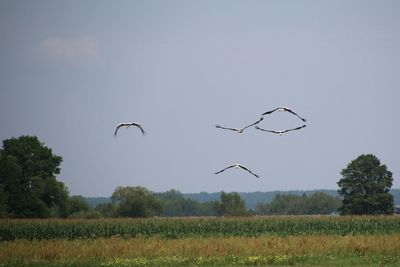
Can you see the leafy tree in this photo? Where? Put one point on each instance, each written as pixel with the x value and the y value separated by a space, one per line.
pixel 77 204
pixel 107 209
pixel 176 204
pixel 208 208
pixel 321 203
pixel 283 204
pixel 365 187
pixel 136 202
pixel 3 201
pixel 231 205
pixel 289 204
pixel 28 172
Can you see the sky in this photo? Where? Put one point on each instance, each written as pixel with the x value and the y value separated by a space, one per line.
pixel 70 71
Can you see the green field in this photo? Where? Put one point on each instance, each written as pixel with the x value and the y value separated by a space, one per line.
pixel 249 241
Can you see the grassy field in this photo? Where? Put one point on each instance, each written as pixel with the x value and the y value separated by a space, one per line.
pixel 294 240
pixel 198 227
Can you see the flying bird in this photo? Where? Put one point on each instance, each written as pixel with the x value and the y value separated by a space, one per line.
pixel 127 125
pixel 237 166
pixel 280 132
pixel 240 130
pixel 284 109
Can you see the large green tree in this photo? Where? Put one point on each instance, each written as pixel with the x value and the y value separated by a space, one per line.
pixel 3 201
pixel 28 172
pixel 136 202
pixel 321 203
pixel 231 204
pixel 365 187
pixel 78 204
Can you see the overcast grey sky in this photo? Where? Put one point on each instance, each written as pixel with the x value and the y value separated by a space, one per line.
pixel 71 70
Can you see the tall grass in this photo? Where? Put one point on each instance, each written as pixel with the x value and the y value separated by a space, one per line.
pixel 222 250
pixel 32 229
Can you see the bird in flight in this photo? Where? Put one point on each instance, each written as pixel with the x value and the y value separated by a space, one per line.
pixel 237 166
pixel 280 132
pixel 240 130
pixel 127 125
pixel 284 109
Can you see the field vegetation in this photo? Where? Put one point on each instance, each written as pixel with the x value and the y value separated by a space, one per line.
pixel 231 235
pixel 221 241
pixel 40 229
pixel 225 250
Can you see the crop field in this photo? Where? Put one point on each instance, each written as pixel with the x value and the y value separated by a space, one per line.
pixel 247 241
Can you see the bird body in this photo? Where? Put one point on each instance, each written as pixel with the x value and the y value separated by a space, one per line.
pixel 237 166
pixel 239 130
pixel 127 125
pixel 284 109
pixel 280 132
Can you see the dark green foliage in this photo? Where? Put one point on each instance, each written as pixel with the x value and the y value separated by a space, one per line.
pixel 321 203
pixel 77 204
pixel 108 210
pixel 252 199
pixel 27 176
pixel 3 201
pixel 94 201
pixel 231 205
pixel 136 202
pixel 198 227
pixel 317 203
pixel 176 204
pixel 365 187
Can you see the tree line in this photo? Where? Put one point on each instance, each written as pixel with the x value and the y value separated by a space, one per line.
pixel 29 188
pixel 140 202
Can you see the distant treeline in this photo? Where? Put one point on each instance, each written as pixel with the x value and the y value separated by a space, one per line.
pixel 251 199
pixel 29 189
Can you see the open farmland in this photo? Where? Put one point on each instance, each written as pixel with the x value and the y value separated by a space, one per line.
pixel 280 240
pixel 198 227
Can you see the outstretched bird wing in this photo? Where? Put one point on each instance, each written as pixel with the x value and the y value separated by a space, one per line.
pixel 269 112
pixel 294 113
pixel 225 128
pixel 225 169
pixel 129 124
pixel 140 127
pixel 116 129
pixel 244 168
pixel 254 123
pixel 294 129
pixel 270 131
